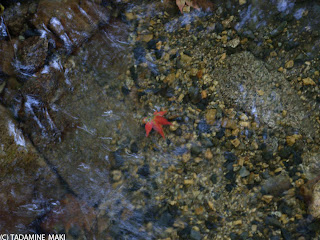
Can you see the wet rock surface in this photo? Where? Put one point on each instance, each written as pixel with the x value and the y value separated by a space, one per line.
pixel 72 22
pixel 247 84
pixel 32 54
pixel 29 187
pixel 7 54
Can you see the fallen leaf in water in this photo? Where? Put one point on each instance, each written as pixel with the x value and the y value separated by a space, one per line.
pixel 155 122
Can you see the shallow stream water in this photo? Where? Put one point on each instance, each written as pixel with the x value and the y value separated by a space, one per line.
pixel 238 81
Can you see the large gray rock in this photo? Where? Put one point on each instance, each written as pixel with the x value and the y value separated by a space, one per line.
pixel 246 83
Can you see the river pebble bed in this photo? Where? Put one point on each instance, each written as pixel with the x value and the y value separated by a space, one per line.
pixel 239 81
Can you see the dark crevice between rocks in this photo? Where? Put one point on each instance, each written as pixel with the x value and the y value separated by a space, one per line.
pixel 63 183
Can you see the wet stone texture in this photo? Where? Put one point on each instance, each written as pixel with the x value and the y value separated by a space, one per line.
pixel 28 186
pixel 32 54
pixel 247 84
pixel 6 58
pixel 72 22
pixel 72 127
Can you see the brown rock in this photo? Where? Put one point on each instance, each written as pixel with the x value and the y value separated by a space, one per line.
pixel 185 59
pixel 6 57
pixel 146 37
pixel 208 154
pixel 73 21
pixel 235 142
pixel 170 78
pixel 276 185
pixel 211 116
pixel 229 123
pixel 308 81
pixel 25 177
pixel 32 54
pixel 70 213
pixel 289 64
pixel 16 18
pixel 292 139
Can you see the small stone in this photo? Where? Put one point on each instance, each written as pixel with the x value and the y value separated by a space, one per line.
pixel 214 178
pixel 174 126
pixel 233 43
pixel 193 72
pixel 188 181
pixel 170 78
pixel 267 198
pixel 235 132
pixel 211 206
pixel 244 172
pixel 254 228
pixel 204 94
pixel 273 54
pixel 272 221
pixel 244 124
pixel 130 16
pixel 196 150
pixel 211 116
pixel 185 59
pixel 195 235
pixel 146 37
pixel 199 210
pixel 292 139
pixel 244 41
pixel 243 117
pixel 226 23
pixel 223 57
pixel 116 175
pixel 208 154
pixel 158 45
pixel 186 157
pixel 308 81
pixel 235 142
pixel 284 113
pixel 299 182
pixel 224 39
pixel 260 92
pixel 289 64
pixel 276 185
pixel 237 222
pixel 228 123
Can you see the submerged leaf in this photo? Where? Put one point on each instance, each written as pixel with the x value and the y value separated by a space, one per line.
pixel 156 123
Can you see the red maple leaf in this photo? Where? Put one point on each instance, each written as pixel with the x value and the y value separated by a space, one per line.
pixel 155 122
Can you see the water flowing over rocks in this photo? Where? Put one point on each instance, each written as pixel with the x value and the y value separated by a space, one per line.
pixel 247 84
pixel 72 22
pixel 242 97
pixel 28 186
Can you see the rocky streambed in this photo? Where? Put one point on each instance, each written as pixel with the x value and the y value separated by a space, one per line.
pixel 239 81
